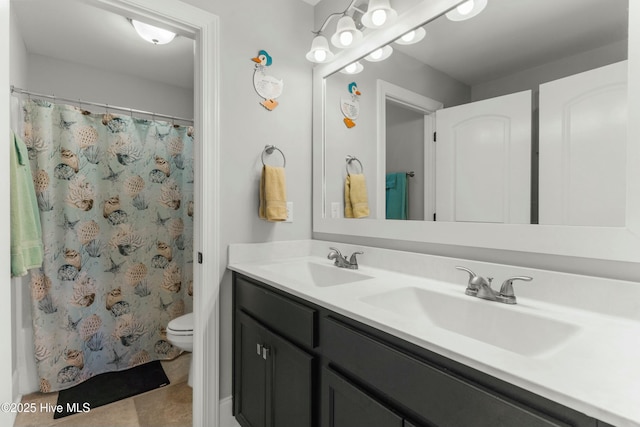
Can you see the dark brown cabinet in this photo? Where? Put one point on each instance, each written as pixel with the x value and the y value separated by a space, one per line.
pixel 297 364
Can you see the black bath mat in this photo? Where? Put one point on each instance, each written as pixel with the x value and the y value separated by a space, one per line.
pixel 110 387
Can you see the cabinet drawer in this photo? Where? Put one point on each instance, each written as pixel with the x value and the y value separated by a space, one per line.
pixel 344 405
pixel 288 318
pixel 438 397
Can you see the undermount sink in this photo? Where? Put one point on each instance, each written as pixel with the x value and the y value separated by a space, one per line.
pixel 320 275
pixel 489 322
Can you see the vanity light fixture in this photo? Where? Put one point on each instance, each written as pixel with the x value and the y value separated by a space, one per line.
pixel 467 10
pixel 413 36
pixel 346 33
pixel 152 34
pixel 379 13
pixel 353 68
pixel 379 54
pixel 320 51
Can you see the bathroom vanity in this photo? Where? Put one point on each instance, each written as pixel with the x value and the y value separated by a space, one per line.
pixel 315 345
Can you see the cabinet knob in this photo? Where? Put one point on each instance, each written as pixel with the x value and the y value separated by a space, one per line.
pixel 259 349
pixel 265 352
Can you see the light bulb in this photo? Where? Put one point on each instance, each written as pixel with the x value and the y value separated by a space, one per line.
pixel 379 17
pixel 320 55
pixel 409 36
pixel 376 54
pixel 466 7
pixel 346 38
pixel 350 68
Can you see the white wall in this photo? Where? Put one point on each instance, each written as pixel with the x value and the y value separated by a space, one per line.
pixel 533 77
pixel 7 389
pixel 19 286
pixel 282 28
pixel 53 76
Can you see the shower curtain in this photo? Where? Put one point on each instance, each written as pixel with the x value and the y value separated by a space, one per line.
pixel 115 195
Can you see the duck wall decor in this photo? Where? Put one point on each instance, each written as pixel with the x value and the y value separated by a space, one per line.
pixel 268 87
pixel 351 106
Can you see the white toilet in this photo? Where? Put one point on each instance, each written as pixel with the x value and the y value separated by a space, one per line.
pixel 180 334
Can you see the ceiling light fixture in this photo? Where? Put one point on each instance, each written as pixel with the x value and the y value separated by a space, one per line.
pixel 467 10
pixel 413 36
pixel 379 13
pixel 379 54
pixel 152 34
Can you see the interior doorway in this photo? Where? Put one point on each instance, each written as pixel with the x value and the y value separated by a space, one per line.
pixel 203 27
pixel 399 97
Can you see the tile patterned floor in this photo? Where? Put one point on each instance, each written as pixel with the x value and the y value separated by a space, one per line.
pixel 169 406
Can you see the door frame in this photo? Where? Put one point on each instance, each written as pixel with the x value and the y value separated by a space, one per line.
pixel 406 98
pixel 204 28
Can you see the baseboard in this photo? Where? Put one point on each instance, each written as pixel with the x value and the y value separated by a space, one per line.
pixel 226 413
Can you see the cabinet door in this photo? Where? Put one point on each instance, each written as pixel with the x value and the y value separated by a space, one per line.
pixel 344 405
pixel 250 372
pixel 290 379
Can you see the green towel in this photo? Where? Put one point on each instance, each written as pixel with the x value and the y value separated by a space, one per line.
pixel 396 196
pixel 26 231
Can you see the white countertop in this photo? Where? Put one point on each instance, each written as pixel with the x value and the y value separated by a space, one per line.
pixel 596 371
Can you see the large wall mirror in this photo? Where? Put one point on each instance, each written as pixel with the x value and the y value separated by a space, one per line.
pixel 528 105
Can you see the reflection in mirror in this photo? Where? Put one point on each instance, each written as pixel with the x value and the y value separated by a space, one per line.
pixel 569 167
pixel 404 155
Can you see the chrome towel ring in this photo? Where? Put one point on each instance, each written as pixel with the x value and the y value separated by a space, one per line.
pixel 350 159
pixel 269 150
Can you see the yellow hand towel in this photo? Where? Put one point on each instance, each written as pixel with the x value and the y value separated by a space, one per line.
pixel 273 194
pixel 356 204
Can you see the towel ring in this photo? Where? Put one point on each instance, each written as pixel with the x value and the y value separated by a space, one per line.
pixel 350 159
pixel 269 150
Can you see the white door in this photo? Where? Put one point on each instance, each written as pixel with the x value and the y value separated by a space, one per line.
pixel 483 161
pixel 583 137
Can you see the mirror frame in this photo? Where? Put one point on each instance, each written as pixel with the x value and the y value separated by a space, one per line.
pixel 603 243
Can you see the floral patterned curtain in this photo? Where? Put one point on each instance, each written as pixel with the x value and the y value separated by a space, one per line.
pixel 115 195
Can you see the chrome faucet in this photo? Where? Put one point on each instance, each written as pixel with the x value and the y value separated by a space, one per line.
pixel 341 261
pixel 480 287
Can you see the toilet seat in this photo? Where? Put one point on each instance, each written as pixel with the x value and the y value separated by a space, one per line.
pixel 182 326
pixel 180 334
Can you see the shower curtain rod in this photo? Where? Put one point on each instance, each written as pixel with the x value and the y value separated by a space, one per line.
pixel 95 104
